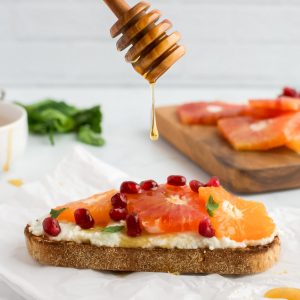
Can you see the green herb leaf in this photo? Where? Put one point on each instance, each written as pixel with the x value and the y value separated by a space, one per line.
pixel 88 136
pixel 92 117
pixel 211 205
pixel 55 213
pixel 48 117
pixel 113 229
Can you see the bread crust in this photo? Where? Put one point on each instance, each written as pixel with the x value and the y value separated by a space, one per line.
pixel 86 256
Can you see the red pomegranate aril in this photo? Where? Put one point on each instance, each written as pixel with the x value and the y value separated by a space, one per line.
pixel 147 185
pixel 118 214
pixel 130 187
pixel 83 218
pixel 176 180
pixel 51 226
pixel 289 92
pixel 133 225
pixel 195 185
pixel 213 182
pixel 119 200
pixel 205 228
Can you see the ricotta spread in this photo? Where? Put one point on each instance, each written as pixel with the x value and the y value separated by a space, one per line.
pixel 186 240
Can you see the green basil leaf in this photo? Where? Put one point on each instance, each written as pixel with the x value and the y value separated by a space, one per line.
pixel 55 213
pixel 113 229
pixel 88 136
pixel 211 205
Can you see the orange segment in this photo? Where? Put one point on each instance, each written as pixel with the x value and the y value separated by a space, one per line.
pixel 236 218
pixel 294 144
pixel 245 133
pixel 168 209
pixel 98 205
pixel 208 113
pixel 263 113
pixel 293 133
pixel 282 103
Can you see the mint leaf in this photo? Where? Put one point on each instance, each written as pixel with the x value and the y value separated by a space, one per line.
pixel 88 136
pixel 113 229
pixel 51 117
pixel 211 205
pixel 55 213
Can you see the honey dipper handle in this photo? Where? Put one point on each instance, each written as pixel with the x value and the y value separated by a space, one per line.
pixel 118 7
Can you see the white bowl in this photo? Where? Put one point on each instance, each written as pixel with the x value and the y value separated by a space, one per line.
pixel 13 133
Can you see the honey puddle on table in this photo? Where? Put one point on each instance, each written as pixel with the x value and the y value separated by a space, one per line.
pixel 16 182
pixel 283 293
pixel 9 151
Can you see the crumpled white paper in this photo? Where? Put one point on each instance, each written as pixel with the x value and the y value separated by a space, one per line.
pixel 80 175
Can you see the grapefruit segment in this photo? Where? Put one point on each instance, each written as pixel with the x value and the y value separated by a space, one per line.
pixel 98 205
pixel 236 218
pixel 245 133
pixel 208 113
pixel 168 209
pixel 293 133
pixel 263 113
pixel 285 104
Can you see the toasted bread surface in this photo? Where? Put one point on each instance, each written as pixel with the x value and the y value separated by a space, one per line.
pixel 86 256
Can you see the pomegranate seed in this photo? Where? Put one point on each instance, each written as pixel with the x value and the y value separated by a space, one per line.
pixel 148 185
pixel 205 228
pixel 119 200
pixel 83 218
pixel 51 226
pixel 118 214
pixel 133 225
pixel 213 182
pixel 130 187
pixel 195 185
pixel 176 180
pixel 289 92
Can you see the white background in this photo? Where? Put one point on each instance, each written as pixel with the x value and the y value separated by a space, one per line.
pixel 229 43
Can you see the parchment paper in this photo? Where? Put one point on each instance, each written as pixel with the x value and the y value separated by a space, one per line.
pixel 80 175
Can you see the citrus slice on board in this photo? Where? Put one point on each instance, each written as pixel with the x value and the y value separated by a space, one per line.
pixel 98 205
pixel 263 113
pixel 236 218
pixel 245 133
pixel 281 103
pixel 293 133
pixel 208 113
pixel 168 209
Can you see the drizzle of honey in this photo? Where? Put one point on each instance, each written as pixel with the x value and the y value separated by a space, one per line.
pixel 154 134
pixel 16 182
pixel 6 165
pixel 283 293
pixel 135 60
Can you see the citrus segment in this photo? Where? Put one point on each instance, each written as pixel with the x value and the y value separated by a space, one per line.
pixel 245 133
pixel 281 103
pixel 208 113
pixel 293 133
pixel 263 112
pixel 236 218
pixel 168 209
pixel 98 205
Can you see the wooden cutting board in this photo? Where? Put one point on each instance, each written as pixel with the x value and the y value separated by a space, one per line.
pixel 244 172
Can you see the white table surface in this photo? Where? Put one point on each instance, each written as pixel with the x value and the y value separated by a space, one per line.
pixel 125 128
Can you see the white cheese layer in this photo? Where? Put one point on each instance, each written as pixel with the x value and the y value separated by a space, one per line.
pixel 187 240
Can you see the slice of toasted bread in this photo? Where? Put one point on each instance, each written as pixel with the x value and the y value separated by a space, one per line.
pixel 86 256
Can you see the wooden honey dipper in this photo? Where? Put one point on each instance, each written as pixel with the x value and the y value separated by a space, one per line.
pixel 153 51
